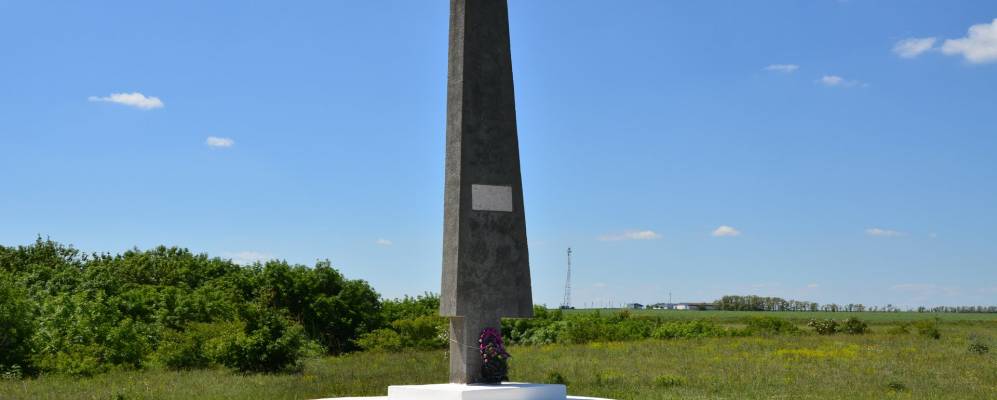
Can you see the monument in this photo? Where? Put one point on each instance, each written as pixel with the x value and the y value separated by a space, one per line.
pixel 486 268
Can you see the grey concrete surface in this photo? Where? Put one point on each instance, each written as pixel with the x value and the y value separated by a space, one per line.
pixel 486 271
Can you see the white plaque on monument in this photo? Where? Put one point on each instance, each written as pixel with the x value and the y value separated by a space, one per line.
pixel 491 198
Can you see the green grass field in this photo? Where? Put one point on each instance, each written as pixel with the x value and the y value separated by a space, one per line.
pixel 801 316
pixel 877 365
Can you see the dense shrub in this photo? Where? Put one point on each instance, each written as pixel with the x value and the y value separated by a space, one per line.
pixel 269 342
pixel 334 311
pixel 86 333
pixel 90 313
pixel 823 326
pixel 425 332
pixel 688 329
pixel 770 326
pixel 196 347
pixel 854 326
pixel 544 328
pixel 16 327
pixel 427 304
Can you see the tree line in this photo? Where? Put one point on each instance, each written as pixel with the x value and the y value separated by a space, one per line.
pixel 762 303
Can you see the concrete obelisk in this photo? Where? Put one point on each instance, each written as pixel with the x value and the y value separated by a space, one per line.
pixel 486 271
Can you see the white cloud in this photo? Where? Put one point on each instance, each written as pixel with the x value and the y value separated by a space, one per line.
pixel 248 257
pixel 831 80
pixel 631 235
pixel 883 232
pixel 785 68
pixel 135 99
pixel 219 142
pixel 979 46
pixel 726 231
pixel 837 81
pixel 383 242
pixel 913 47
pixel 813 286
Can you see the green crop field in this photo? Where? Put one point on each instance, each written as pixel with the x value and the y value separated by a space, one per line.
pixel 798 316
pixel 875 365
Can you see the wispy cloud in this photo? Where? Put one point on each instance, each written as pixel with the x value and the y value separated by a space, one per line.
pixel 247 257
pixel 726 231
pixel 134 99
pixel 913 47
pixel 784 68
pixel 219 142
pixel 631 235
pixel 383 242
pixel 883 232
pixel 813 286
pixel 979 46
pixel 837 81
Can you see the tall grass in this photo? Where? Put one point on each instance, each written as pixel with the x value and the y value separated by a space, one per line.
pixel 872 366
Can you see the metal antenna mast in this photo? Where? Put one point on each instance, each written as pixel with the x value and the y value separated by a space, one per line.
pixel 567 285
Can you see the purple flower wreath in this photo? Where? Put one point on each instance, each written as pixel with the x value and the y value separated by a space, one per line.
pixel 495 365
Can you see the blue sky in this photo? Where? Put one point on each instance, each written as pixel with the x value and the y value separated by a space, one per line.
pixel 834 151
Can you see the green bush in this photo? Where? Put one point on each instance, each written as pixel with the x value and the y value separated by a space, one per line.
pixel 86 314
pixel 86 333
pixel 196 347
pixel 770 326
pixel 75 360
pixel 269 342
pixel 425 332
pixel 823 326
pixel 854 326
pixel 16 326
pixel 688 329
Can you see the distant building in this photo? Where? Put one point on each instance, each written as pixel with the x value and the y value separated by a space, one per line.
pixel 683 306
pixel 635 306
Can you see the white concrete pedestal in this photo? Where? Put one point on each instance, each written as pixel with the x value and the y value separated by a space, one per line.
pixel 505 391
pixel 451 391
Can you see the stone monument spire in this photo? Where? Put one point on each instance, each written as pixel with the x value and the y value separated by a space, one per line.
pixel 486 271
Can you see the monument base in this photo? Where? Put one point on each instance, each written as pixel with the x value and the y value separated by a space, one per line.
pixel 504 391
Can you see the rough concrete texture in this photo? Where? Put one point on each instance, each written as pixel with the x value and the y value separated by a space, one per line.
pixel 486 271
